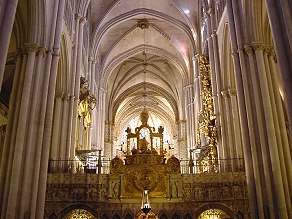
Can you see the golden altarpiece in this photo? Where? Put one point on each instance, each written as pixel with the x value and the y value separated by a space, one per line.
pixel 145 165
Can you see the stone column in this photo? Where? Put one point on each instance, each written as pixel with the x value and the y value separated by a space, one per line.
pixel 190 115
pixel 18 151
pixel 236 125
pixel 32 126
pixel 279 12
pixel 229 133
pixel 281 138
pixel 14 198
pixel 262 152
pixel 236 42
pixel 46 116
pixel 57 126
pixel 73 105
pixel 101 117
pixel 280 113
pixel 64 127
pixel 272 140
pixel 6 158
pixel 8 10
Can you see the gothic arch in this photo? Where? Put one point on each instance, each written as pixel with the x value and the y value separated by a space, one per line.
pixel 219 206
pixel 86 209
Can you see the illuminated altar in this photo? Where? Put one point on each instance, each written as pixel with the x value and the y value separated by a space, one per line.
pixel 144 166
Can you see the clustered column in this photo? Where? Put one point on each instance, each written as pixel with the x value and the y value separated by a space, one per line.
pixel 190 115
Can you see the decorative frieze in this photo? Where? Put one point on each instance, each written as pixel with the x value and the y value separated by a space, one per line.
pixel 103 193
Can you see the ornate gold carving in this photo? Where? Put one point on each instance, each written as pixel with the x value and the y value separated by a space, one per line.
pixel 116 165
pixel 207 131
pixel 79 213
pixel 173 165
pixel 145 177
pixel 137 177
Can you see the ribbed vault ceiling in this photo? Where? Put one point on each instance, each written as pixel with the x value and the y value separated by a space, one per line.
pixel 145 49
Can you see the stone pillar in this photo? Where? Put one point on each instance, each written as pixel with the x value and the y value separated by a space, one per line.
pixel 75 88
pixel 101 117
pixel 57 126
pixel 236 125
pixel 190 115
pixel 236 42
pixel 229 132
pixel 8 150
pixel 261 154
pixel 64 127
pixel 279 12
pixel 46 115
pixel 13 189
pixel 278 176
pixel 280 112
pixel 8 10
pixel 31 127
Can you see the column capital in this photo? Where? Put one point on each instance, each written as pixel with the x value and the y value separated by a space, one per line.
pixel 181 121
pixel 248 49
pixel 18 53
pixel 66 96
pixel 30 47
pixel 188 86
pixel 224 94
pixel 59 94
pixel 102 90
pixel 78 16
pixel 259 46
pixel 92 60
pixel 83 20
pixel 232 92
pixel 42 50
pixel 271 52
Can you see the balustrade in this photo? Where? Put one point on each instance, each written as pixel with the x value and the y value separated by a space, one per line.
pixel 209 166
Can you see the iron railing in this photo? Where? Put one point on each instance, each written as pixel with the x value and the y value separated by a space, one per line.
pixel 186 167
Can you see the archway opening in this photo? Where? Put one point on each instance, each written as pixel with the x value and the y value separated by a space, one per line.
pixel 79 214
pixel 214 214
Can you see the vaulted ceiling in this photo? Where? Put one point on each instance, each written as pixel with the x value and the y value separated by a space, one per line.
pixel 145 49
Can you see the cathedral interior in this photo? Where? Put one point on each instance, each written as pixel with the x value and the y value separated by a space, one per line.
pixel 135 109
